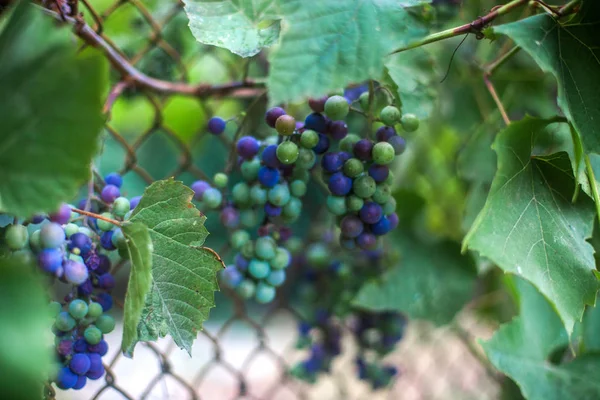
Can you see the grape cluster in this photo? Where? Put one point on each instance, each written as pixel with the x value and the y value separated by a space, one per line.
pixel 75 250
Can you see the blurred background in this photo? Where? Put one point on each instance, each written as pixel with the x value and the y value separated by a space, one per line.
pixel 247 351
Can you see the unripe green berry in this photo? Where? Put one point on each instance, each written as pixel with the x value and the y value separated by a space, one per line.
pixel 78 308
pixel 336 205
pixel 347 143
pixel 249 218
pixel 279 195
pixel 390 115
pixel 410 122
pixel 336 107
pixel 390 206
pixel 258 195
pixel 287 152
pixel 92 335
pixel 364 186
pixel 71 229
pixel 55 307
pixel 298 188
pixel 363 100
pixel 293 208
pixel 383 153
pixel 285 125
pixel 309 139
pixel 306 159
pixel 241 193
pixel 105 225
pixel 34 240
pixel 354 203
pixel 121 206
pixel 265 248
pixel 353 167
pixel 239 239
pixel 246 289
pixel 64 322
pixel 250 169
pixel 105 323
pixel 94 310
pixel 220 180
pixel 247 250
pixel 382 193
pixel 16 237
pixel 301 175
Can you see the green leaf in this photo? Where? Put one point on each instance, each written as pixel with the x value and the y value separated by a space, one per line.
pixel 529 226
pixel 241 26
pixel 25 357
pixel 571 52
pixel 184 275
pixel 431 281
pixel 413 75
pixel 521 349
pixel 50 108
pixel 140 248
pixel 327 44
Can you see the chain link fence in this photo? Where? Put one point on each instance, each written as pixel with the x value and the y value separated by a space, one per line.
pixel 243 353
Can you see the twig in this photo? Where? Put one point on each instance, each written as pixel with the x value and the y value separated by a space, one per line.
pixel 492 90
pixel 488 71
pixel 97 216
pixel 494 65
pixel 473 27
pixel 115 92
pixel 465 338
pixel 568 8
pixel 247 88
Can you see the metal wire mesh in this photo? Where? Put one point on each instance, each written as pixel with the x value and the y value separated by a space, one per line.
pixel 246 354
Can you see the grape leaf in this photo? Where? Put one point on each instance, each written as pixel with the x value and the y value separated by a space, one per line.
pixel 327 44
pixel 521 349
pixel 25 357
pixel 431 281
pixel 241 26
pixel 184 275
pixel 50 108
pixel 571 52
pixel 529 226
pixel 140 248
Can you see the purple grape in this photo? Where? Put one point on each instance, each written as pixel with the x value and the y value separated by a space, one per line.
pixel 366 241
pixel 110 193
pixel 332 162
pixel 241 262
pixel 353 93
pixel 318 104
pixel 268 177
pixel 75 272
pixel 80 346
pixel 65 347
pixel 106 240
pixel 394 220
pixel 362 149
pixel 50 260
pixel 230 217
pixel 38 219
pixel 80 363
pixel 80 241
pixel 285 233
pixel 379 173
pixel 135 201
pixel 103 265
pixel 272 211
pixel 232 277
pixel 338 130
pixel 316 122
pixel 384 133
pixel 114 179
pixel 272 114
pixel 106 281
pixel 269 157
pixel 370 213
pixel 339 184
pixel 100 348
pixel 199 187
pixel 247 147
pixel 322 145
pixel 105 300
pixel 62 215
pixel 216 125
pixel 398 143
pixel 85 289
pixel 351 226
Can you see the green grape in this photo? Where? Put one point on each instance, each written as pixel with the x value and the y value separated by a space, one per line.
pixel 64 322
pixel 293 208
pixel 94 310
pixel 336 107
pixel 239 239
pixel 390 206
pixel 241 193
pixel 16 237
pixel 282 259
pixel 279 195
pixel 390 178
pixel 212 198
pixel 294 245
pixel 390 115
pixel 71 229
pixel 118 239
pixel 258 195
pixel 298 188
pixel 121 206
pixel 220 180
pixel 382 193
pixel 364 186
pixel 76 258
pixel 247 250
pixel 285 125
pixel 55 308
pixel 309 139
pixel 246 289
pixel 250 169
pixel 336 205
pixel 105 225
pixel 287 152
pixel 383 153
pixel 410 122
pixel 78 308
pixel 265 248
pixel 354 203
pixel 249 218
pixel 92 335
pixel 363 100
pixel 347 143
pixel 105 323
pixel 301 175
pixel 353 167
pixel 34 240
pixel 318 254
pixel 86 231
pixel 306 159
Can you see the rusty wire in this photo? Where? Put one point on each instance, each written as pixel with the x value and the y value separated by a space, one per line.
pixel 434 364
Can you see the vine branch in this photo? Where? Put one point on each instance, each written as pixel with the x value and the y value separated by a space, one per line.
pixel 136 78
pixel 97 216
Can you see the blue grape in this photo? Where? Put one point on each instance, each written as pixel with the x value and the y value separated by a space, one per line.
pixel 232 276
pixel 381 227
pixel 66 379
pixel 75 272
pixel 247 147
pixel 332 162
pixel 241 262
pixel 316 122
pixel 101 348
pixel 272 210
pixel 322 145
pixel 80 363
pixel 230 217
pixel 366 241
pixel 106 240
pixel 216 125
pixel 109 193
pixel 393 218
pixel 114 179
pixel 81 242
pixel 134 202
pixel 199 187
pixel 371 213
pixel 398 143
pixel 105 300
pixel 351 226
pixel 268 177
pixel 384 133
pixel 379 173
pixel 106 281
pixel 50 260
pixel 81 381
pixel 269 157
pixel 339 184
pixel 363 149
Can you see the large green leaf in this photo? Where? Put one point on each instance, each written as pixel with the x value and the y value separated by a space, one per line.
pixel 50 108
pixel 530 227
pixel 432 281
pixel 327 44
pixel 184 274
pixel 521 349
pixel 571 52
pixel 241 26
pixel 25 357
pixel 140 248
